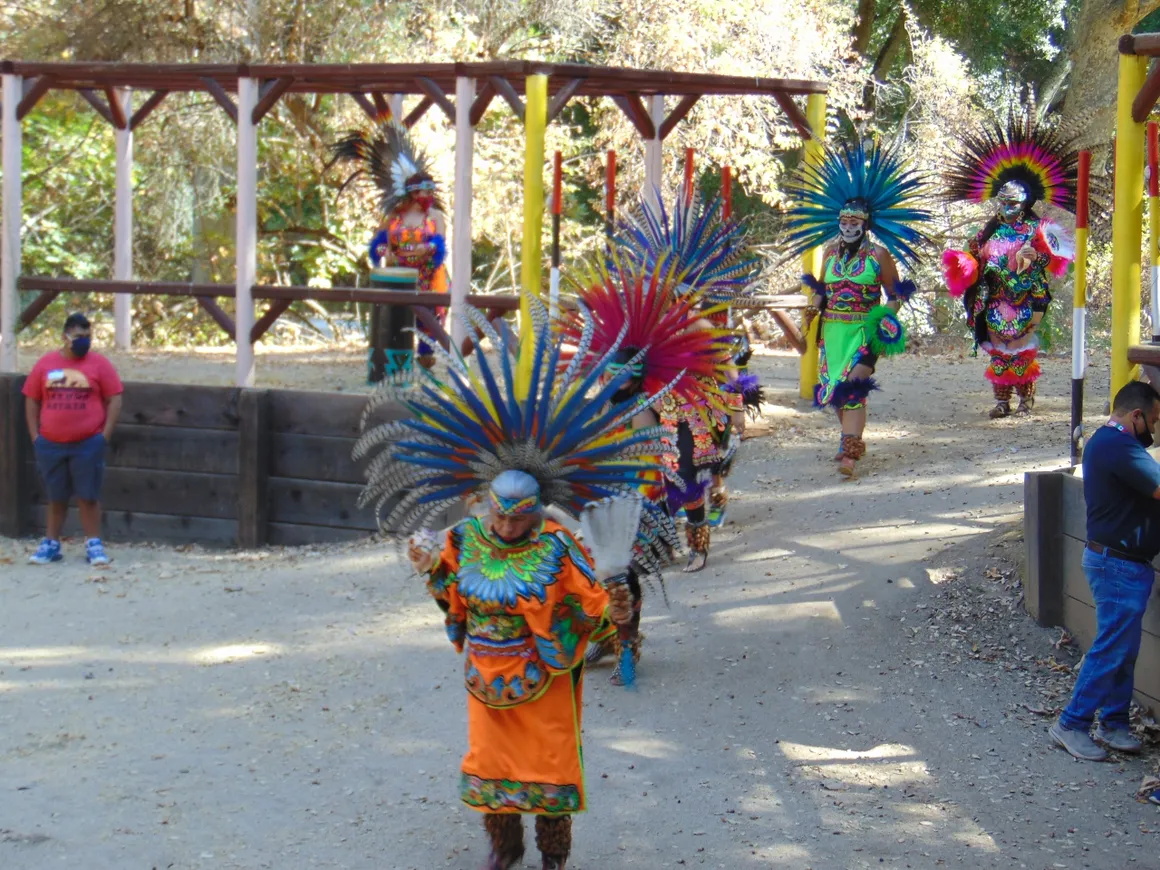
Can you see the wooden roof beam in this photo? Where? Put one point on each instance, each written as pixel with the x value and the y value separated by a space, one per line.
pixel 97 103
pixel 269 95
pixel 117 109
pixel 147 108
pixel 631 105
pixel 223 99
pixel 560 100
pixel 418 112
pixel 504 88
pixel 796 116
pixel 482 101
pixel 678 114
pixel 434 92
pixel 34 89
pixel 365 104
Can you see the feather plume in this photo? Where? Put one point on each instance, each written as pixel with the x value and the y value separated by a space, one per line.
pixel 872 173
pixel 466 430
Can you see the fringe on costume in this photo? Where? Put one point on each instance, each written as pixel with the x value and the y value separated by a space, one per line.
pixel 852 391
pixel 814 284
pixel 752 395
pixel 680 494
pixel 903 290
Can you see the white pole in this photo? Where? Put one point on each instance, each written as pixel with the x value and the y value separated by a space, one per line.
pixel 653 166
pixel 554 292
pixel 123 227
pixel 1155 304
pixel 461 252
pixel 247 229
pixel 12 91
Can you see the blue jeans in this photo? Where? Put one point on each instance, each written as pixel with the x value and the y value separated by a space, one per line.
pixel 1121 590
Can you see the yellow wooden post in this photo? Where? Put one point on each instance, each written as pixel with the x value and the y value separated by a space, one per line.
pixel 535 123
pixel 1127 220
pixel 812 260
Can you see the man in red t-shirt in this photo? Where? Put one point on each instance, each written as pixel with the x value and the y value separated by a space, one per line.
pixel 72 399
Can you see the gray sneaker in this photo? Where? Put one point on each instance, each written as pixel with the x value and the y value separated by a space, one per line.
pixel 1077 743
pixel 1119 739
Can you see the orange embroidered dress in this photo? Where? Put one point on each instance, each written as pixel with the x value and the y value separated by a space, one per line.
pixel 523 615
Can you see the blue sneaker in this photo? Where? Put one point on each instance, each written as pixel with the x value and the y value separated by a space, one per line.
pixel 95 552
pixel 46 553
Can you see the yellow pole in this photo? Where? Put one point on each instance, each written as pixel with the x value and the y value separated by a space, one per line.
pixel 1127 220
pixel 812 260
pixel 535 123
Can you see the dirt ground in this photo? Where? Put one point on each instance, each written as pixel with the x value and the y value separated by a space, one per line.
pixel 851 683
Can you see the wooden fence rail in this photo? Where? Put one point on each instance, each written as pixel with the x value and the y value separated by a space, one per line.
pixel 213 465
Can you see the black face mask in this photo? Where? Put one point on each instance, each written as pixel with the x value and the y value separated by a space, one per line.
pixel 624 394
pixel 1145 438
pixel 80 345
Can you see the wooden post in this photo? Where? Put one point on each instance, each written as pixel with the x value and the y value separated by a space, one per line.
pixel 11 91
pixel 1079 309
pixel 557 207
pixel 247 230
pixel 1042 534
pixel 812 260
pixel 1127 221
pixel 14 448
pixel 253 467
pixel 653 163
pixel 461 244
pixel 123 225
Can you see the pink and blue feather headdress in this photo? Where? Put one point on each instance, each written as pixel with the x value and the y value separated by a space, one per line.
pixel 1042 161
pixel 693 244
pixel 518 408
pixel 870 180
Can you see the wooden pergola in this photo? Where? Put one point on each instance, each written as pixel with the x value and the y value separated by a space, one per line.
pixel 463 92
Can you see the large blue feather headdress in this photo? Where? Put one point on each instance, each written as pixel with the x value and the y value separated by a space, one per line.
pixel 873 176
pixel 693 243
pixel 519 409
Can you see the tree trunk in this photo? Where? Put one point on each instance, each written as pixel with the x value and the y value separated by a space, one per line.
pixel 864 26
pixel 886 57
pixel 1090 104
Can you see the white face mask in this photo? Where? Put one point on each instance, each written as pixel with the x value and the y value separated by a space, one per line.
pixel 851 232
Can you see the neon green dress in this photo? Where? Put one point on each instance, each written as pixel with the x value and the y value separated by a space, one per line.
pixel 853 288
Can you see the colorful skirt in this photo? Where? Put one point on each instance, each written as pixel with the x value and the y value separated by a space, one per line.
pixel 842 347
pixel 527 758
pixel 1012 368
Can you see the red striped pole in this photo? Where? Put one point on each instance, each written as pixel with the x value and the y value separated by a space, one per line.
pixel 610 192
pixel 689 154
pixel 1079 308
pixel 557 207
pixel 727 192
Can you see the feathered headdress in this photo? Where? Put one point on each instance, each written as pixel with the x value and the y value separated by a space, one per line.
pixel 1042 161
pixel 644 316
pixel 693 242
pixel 869 179
pixel 519 411
pixel 393 163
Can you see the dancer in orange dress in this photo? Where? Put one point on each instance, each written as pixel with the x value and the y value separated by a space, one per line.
pixel 521 596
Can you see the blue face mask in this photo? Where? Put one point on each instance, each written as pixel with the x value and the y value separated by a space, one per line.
pixel 80 345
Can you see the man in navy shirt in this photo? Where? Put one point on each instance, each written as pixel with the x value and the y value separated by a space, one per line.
pixel 1121 485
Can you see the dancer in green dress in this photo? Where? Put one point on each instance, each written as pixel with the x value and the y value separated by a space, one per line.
pixel 857 190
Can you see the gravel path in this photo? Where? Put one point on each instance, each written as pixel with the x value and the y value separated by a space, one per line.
pixel 851 683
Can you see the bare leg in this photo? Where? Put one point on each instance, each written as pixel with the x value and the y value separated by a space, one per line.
pixel 90 512
pixel 57 511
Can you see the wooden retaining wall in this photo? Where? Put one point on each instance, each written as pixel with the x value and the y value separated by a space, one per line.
pixel 212 465
pixel 1056 591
